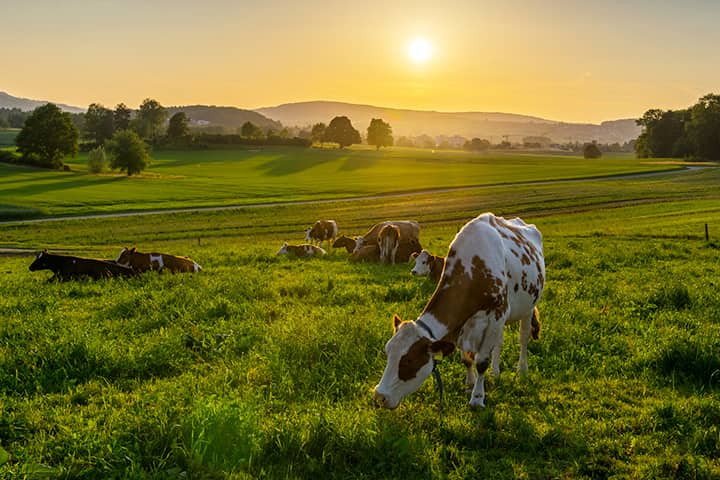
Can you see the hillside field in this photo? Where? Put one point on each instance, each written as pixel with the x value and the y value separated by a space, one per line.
pixel 263 366
pixel 203 178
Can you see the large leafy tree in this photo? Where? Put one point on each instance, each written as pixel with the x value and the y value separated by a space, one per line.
pixel 121 117
pixel 250 130
pixel 151 117
pixel 379 133
pixel 99 123
pixel 591 150
pixel 178 127
pixel 341 131
pixel 703 127
pixel 663 133
pixel 48 136
pixel 128 152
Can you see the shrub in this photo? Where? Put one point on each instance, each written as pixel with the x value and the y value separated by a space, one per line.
pixel 97 160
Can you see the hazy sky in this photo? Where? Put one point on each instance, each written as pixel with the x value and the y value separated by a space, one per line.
pixel 560 59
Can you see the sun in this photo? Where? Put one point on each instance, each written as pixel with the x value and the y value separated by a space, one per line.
pixel 420 50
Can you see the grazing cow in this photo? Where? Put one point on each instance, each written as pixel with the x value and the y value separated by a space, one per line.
pixel 409 230
pixel 345 242
pixel 304 250
pixel 142 262
pixel 388 240
pixel 494 274
pixel 428 264
pixel 321 231
pixel 66 267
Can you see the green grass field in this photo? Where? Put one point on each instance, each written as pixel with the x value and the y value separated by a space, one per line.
pixel 181 179
pixel 7 137
pixel 263 366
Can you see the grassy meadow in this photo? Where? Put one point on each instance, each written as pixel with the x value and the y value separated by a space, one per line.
pixel 263 366
pixel 240 176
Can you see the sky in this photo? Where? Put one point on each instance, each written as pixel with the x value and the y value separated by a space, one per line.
pixel 575 61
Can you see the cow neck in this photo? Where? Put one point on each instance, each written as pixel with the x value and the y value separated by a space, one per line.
pixel 425 326
pixel 435 371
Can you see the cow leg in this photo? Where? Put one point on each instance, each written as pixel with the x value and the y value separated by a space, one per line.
pixel 496 356
pixel 525 328
pixel 488 343
pixel 468 359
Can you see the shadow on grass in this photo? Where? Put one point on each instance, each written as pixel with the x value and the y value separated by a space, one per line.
pixel 280 165
pixel 63 183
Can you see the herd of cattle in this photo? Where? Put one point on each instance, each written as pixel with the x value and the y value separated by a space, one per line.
pixel 493 275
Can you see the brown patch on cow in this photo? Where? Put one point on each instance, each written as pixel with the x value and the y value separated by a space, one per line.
pixel 367 253
pixel 417 356
pixel 459 296
pixel 436 267
pixel 514 252
pixel 517 287
pixel 451 253
pixel 535 324
pixel 468 359
pixel 524 281
pixel 525 259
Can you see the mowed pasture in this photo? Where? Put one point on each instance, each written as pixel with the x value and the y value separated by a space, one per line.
pixel 202 178
pixel 263 366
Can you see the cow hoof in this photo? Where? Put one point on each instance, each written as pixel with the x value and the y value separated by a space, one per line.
pixel 477 403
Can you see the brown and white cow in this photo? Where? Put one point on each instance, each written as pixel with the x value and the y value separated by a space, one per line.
pixel 322 230
pixel 494 274
pixel 368 253
pixel 389 241
pixel 143 262
pixel 304 250
pixel 409 230
pixel 428 264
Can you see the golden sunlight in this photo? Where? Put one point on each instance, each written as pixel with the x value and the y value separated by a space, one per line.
pixel 420 50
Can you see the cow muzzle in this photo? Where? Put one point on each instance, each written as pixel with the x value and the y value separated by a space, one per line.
pixel 381 401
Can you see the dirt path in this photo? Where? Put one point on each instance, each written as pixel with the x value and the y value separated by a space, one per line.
pixel 347 199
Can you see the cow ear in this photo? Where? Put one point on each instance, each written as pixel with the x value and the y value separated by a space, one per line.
pixel 414 255
pixel 45 250
pixel 396 322
pixel 441 346
pixel 133 250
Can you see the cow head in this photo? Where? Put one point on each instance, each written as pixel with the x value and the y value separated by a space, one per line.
pixel 410 359
pixel 359 242
pixel 284 249
pixel 40 262
pixel 125 256
pixel 422 263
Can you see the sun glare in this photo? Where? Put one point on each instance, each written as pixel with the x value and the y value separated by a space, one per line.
pixel 420 50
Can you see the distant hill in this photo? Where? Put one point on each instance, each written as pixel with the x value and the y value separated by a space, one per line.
pixel 25 104
pixel 230 118
pixel 492 126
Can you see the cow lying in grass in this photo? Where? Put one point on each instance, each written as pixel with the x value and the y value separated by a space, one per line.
pixel 345 242
pixel 304 251
pixel 371 253
pixel 428 264
pixel 142 262
pixel 322 230
pixel 494 275
pixel 66 267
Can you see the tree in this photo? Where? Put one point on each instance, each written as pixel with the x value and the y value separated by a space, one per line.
pixel 341 132
pixel 151 117
pixel 477 144
pixel 591 150
pixel 379 133
pixel 128 152
pixel 663 133
pixel 178 127
pixel 703 127
pixel 99 123
pixel 48 135
pixel 97 160
pixel 250 130
pixel 317 134
pixel 121 117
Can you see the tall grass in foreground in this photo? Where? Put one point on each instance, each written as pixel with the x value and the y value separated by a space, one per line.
pixel 262 367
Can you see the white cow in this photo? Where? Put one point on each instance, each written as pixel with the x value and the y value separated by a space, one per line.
pixel 494 274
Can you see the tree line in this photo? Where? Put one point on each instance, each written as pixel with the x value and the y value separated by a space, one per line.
pixel 693 132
